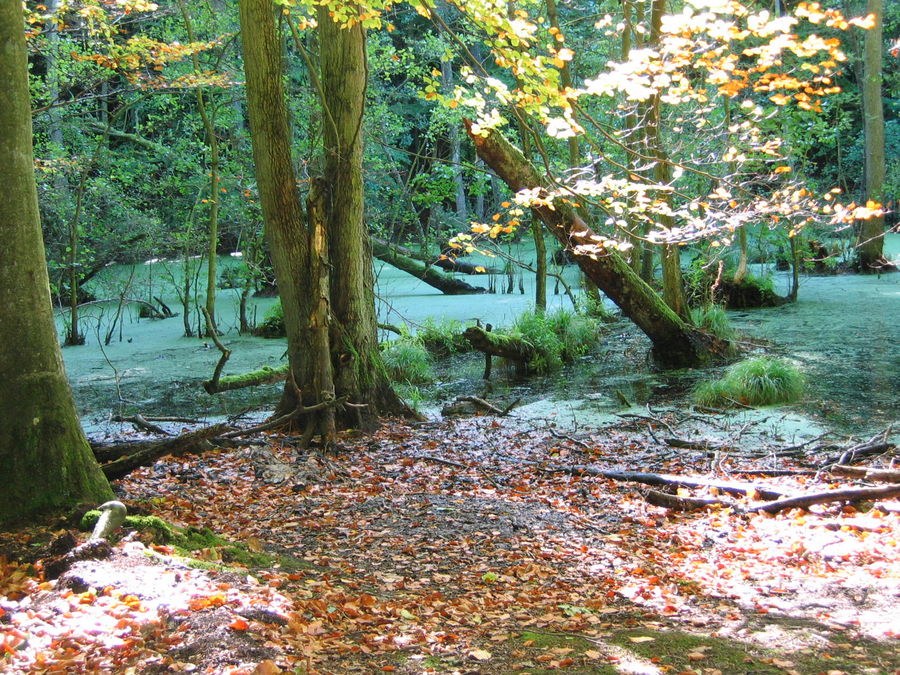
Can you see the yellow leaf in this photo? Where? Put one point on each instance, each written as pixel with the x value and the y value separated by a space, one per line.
pixel 642 638
pixel 480 654
pixel 782 169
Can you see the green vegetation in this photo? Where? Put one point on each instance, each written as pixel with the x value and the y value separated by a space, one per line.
pixel 443 338
pixel 407 361
pixel 272 325
pixel 755 382
pixel 557 338
pixel 201 546
pixel 714 320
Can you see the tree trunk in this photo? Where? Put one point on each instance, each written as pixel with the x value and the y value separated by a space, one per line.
pixel 505 346
pixel 45 459
pixel 445 263
pixel 676 344
pixel 871 234
pixel 431 276
pixel 279 199
pixel 359 373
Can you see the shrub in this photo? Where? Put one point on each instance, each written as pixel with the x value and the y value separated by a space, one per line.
pixel 755 382
pixel 443 338
pixel 407 361
pixel 272 325
pixel 557 338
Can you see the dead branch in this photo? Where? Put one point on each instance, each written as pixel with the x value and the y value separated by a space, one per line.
pixel 133 455
pixel 142 422
pixel 677 503
pixel 848 495
pixel 875 475
pixel 659 479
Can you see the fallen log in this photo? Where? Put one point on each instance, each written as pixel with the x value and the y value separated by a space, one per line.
pixel 445 262
pixel 496 344
pixel 427 273
pixel 126 457
pixel 265 375
pixel 676 503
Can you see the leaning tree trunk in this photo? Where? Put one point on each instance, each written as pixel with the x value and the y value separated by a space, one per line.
pixel 45 459
pixel 676 344
pixel 420 270
pixel 359 373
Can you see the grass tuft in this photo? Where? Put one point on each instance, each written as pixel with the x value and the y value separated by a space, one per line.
pixel 755 382
pixel 407 361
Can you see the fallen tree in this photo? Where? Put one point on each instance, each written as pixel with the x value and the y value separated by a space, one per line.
pixel 427 273
pixel 265 375
pixel 676 344
pixel 445 262
pixel 505 346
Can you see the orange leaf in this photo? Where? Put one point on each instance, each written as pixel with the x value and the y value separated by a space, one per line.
pixel 239 624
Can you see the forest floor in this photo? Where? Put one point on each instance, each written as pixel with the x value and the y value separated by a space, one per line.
pixel 471 546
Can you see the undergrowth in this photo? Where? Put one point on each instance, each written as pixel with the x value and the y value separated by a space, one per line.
pixel 407 361
pixel 557 338
pixel 760 381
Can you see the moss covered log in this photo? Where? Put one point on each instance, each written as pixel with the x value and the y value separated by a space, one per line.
pixel 265 375
pixel 505 346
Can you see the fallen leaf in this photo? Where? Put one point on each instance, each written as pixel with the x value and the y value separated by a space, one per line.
pixel 480 654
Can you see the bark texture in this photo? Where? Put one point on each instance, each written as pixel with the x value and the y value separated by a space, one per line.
pixel 676 344
pixel 279 198
pixel 45 459
pixel 359 372
pixel 871 234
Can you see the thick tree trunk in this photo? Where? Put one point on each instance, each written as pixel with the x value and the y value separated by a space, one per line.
pixel 280 201
pixel 676 344
pixel 431 276
pixel 359 374
pixel 45 459
pixel 871 234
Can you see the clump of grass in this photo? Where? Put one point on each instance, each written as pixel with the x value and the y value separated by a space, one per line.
pixel 407 361
pixel 443 338
pixel 755 382
pixel 714 320
pixel 557 338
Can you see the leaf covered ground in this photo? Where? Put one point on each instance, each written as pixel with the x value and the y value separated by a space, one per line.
pixel 454 547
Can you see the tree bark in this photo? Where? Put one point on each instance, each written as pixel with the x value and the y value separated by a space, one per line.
pixel 359 373
pixel 280 201
pixel 676 344
pixel 431 276
pixel 45 459
pixel 504 346
pixel 871 234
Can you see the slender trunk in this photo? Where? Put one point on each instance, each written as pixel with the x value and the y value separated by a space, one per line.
pixel 45 459
pixel 871 234
pixel 359 374
pixel 212 143
pixel 673 285
pixel 462 209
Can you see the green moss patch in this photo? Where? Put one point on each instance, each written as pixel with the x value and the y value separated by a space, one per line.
pixel 203 548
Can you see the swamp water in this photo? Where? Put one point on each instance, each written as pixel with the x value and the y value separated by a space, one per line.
pixel 843 332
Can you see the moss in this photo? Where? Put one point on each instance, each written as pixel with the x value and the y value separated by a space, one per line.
pixel 189 542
